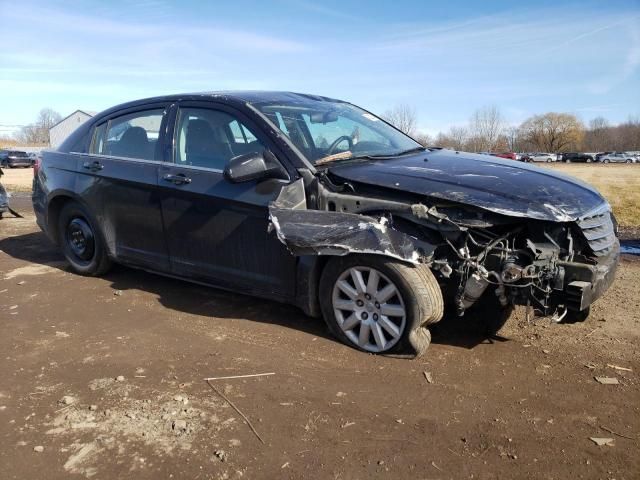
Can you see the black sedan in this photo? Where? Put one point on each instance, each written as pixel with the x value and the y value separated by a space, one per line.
pixel 317 202
pixel 571 157
pixel 17 159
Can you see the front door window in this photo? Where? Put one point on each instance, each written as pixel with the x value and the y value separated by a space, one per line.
pixel 210 138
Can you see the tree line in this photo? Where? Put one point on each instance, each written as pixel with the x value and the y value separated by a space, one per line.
pixel 488 131
pixel 37 133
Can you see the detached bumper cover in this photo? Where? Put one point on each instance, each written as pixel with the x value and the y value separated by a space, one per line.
pixel 584 284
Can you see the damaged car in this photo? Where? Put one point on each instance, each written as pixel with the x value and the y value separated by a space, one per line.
pixel 317 202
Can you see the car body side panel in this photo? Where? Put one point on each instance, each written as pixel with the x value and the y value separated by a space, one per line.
pixel 124 198
pixel 217 232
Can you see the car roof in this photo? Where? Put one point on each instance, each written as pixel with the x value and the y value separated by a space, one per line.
pixel 240 96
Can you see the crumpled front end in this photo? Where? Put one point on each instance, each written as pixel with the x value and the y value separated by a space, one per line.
pixel 553 267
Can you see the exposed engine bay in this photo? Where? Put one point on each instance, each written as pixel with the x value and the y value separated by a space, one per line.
pixel 556 268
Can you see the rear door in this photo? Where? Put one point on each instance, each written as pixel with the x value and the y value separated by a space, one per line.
pixel 118 182
pixel 217 230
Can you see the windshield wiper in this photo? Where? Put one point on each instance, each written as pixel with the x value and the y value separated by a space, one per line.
pixel 388 155
pixel 405 152
pixel 348 156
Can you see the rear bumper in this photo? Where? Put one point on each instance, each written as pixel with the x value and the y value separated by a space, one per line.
pixel 39 206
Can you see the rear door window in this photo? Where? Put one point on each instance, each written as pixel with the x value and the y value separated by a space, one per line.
pixel 135 135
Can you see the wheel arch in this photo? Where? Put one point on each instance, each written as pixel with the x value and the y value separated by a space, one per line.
pixel 309 271
pixel 55 203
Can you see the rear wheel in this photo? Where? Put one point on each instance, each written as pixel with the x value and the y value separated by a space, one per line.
pixel 379 305
pixel 628 160
pixel 548 160
pixel 81 241
pixel 606 160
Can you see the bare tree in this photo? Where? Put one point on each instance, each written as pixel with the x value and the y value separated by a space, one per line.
pixel 553 132
pixel 458 137
pixel 599 136
pixel 423 139
pixel 403 117
pixel 38 132
pixel 512 138
pixel 485 127
pixel 627 135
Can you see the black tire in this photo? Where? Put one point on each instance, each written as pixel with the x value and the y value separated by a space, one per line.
pixel 76 228
pixel 418 290
pixel 628 160
pixel 605 160
pixel 548 160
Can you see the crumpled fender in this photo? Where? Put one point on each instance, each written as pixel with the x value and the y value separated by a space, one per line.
pixel 321 232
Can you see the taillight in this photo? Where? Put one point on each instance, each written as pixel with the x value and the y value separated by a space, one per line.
pixel 36 166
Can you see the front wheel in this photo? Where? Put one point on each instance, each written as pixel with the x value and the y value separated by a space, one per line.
pixel 379 305
pixel 81 241
pixel 605 161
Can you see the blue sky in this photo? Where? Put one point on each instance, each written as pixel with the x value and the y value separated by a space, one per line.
pixel 444 58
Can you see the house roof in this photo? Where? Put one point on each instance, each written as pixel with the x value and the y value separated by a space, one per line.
pixel 89 113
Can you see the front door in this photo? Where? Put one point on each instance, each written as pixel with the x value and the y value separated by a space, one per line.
pixel 216 230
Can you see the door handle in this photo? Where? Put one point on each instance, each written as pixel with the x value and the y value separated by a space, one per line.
pixel 179 179
pixel 93 166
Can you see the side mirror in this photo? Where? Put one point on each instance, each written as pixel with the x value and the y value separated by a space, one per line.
pixel 253 166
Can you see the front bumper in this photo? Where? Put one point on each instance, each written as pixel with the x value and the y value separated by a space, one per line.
pixel 583 283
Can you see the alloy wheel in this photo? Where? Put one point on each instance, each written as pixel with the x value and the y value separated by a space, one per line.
pixel 369 309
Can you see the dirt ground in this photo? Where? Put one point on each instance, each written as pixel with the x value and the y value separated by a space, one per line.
pixel 105 377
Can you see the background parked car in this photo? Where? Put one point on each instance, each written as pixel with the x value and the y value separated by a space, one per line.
pixel 17 159
pixel 540 157
pixel 508 155
pixel 577 157
pixel 618 157
pixel 602 154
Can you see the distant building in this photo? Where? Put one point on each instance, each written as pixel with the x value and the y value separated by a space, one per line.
pixel 61 130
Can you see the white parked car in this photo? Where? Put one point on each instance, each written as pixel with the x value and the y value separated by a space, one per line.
pixel 540 157
pixel 618 157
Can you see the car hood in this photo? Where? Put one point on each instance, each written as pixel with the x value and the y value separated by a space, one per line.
pixel 502 186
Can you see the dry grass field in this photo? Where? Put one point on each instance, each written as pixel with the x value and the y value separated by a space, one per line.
pixel 620 184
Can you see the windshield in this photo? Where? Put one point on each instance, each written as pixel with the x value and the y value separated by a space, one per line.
pixel 326 131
